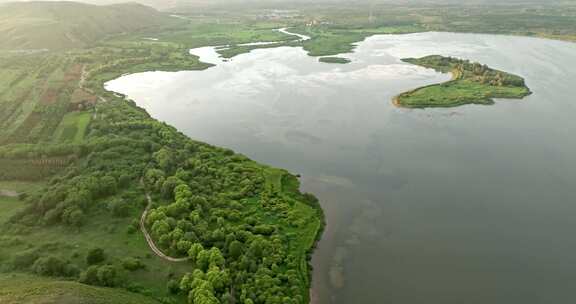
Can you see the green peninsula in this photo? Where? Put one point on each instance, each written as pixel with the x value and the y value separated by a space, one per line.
pixel 472 83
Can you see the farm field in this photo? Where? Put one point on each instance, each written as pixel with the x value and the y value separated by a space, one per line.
pixel 73 127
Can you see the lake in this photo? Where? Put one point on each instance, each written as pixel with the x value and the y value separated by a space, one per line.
pixel 475 204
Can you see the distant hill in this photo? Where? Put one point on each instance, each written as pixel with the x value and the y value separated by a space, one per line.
pixel 158 4
pixel 18 289
pixel 61 25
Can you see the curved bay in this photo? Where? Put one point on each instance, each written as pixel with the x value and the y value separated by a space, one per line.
pixel 467 205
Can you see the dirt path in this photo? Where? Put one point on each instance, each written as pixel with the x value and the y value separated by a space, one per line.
pixel 149 239
pixel 8 193
pixel 82 77
pixel 82 84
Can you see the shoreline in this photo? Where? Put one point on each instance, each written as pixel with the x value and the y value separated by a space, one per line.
pixel 455 75
pixel 396 102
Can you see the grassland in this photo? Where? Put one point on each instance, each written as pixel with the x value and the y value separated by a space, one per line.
pixel 71 244
pixel 472 83
pixel 20 288
pixel 8 207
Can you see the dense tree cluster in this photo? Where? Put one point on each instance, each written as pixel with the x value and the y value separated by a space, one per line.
pixel 234 219
pixel 230 246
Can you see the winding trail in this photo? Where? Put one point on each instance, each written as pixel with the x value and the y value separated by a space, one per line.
pixel 149 239
pixel 158 252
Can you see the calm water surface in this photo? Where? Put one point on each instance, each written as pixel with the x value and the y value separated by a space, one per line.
pixel 475 204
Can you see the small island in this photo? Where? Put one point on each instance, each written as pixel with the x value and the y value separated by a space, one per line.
pixel 338 60
pixel 472 83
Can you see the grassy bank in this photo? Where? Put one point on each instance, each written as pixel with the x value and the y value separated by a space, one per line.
pixel 337 60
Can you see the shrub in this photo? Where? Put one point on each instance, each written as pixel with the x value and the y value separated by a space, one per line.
pixel 95 256
pixel 119 207
pixel 24 260
pixel 89 276
pixel 106 276
pixel 48 266
pixel 173 286
pixel 132 264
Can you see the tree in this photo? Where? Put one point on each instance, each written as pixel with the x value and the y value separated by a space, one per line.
pixel 217 278
pixel 79 197
pixel 194 250
pixel 160 228
pixel 153 176
pixel 108 186
pixel 119 207
pixel 169 185
pixel 195 217
pixel 202 292
pixel 216 258
pixel 177 209
pixel 183 246
pixel 164 159
pixel 235 249
pixel 182 192
pixel 203 259
pixel 257 248
pixel 73 216
pixel 155 215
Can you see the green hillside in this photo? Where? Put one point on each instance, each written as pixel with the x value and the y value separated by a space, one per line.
pixel 17 289
pixel 168 218
pixel 59 25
